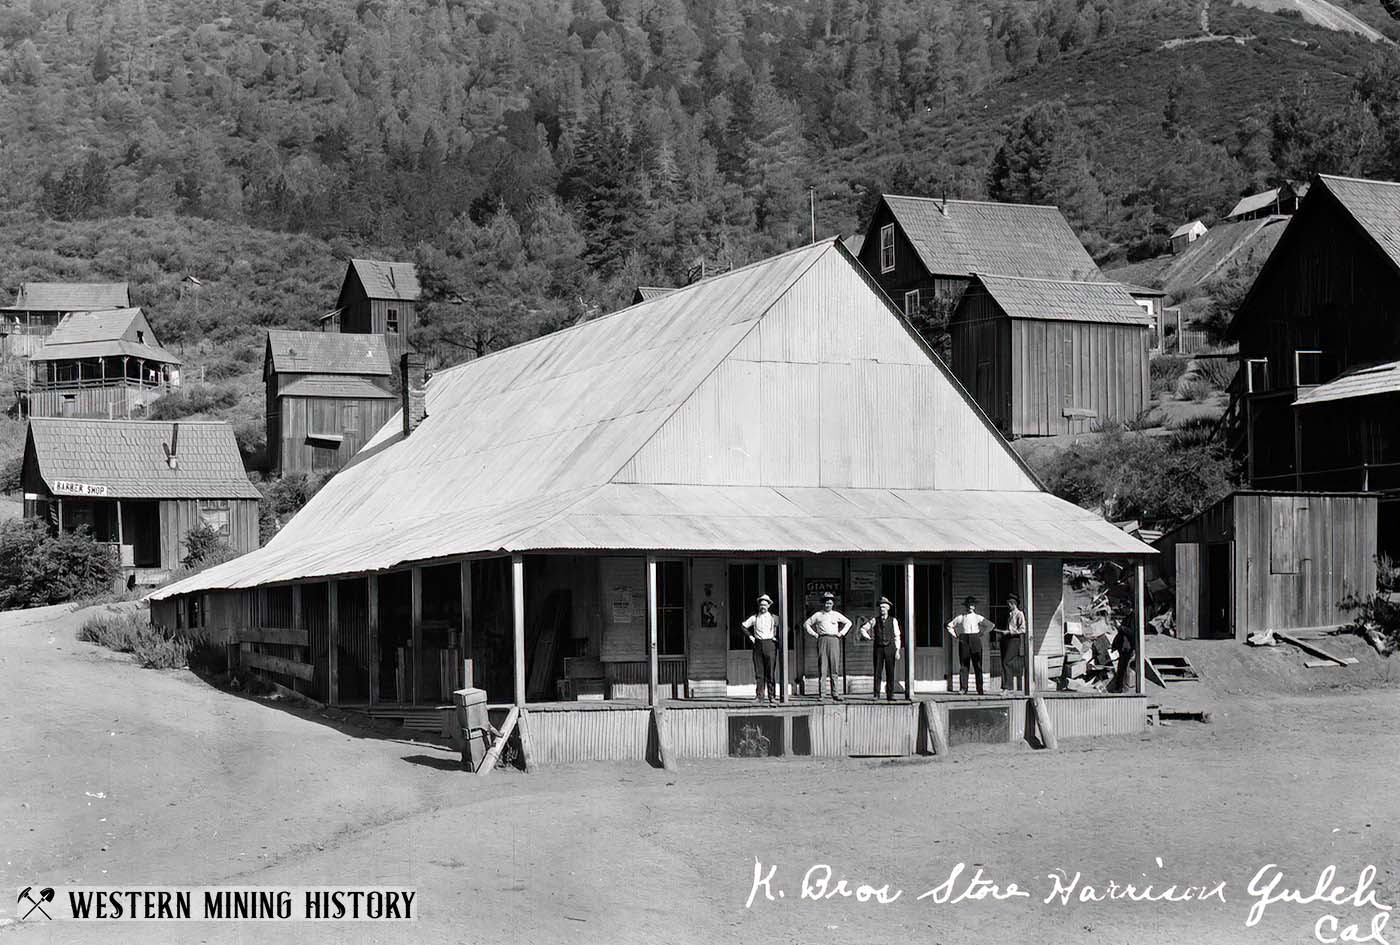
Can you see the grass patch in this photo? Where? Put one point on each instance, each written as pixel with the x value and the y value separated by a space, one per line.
pixel 1166 370
pixel 1219 373
pixel 130 631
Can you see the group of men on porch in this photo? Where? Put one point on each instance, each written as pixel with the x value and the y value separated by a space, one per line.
pixel 828 626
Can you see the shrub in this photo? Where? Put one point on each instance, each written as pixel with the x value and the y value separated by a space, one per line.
pixel 1194 389
pixel 196 398
pixel 37 568
pixel 1166 370
pixel 282 498
pixel 12 474
pixel 130 631
pixel 204 548
pixel 1219 373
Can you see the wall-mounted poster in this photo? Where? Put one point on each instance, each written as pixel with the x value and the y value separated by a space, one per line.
pixel 620 603
pixel 864 578
pixel 814 588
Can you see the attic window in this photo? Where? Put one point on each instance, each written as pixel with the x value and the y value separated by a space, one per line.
pixel 911 303
pixel 887 248
pixel 391 322
pixel 140 337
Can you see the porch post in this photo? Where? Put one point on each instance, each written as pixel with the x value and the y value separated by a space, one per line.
pixel 1028 603
pixel 60 516
pixel 783 615
pixel 652 619
pixel 908 629
pixel 415 596
pixel 121 535
pixel 517 583
pixel 299 623
pixel 372 618
pixel 1141 622
pixel 333 628
pixel 126 381
pixel 468 673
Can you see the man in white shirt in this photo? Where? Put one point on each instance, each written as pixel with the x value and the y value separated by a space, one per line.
pixel 828 625
pixel 967 628
pixel 763 634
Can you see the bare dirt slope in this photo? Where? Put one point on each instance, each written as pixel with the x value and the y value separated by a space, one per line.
pixel 1320 13
pixel 114 774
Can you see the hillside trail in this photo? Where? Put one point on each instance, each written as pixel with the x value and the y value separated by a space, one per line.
pixel 112 774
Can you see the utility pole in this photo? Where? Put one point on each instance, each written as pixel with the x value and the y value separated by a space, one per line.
pixel 812 197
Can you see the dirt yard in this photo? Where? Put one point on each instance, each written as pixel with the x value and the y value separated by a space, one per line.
pixel 111 774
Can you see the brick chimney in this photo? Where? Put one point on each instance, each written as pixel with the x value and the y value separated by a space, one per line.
pixel 413 394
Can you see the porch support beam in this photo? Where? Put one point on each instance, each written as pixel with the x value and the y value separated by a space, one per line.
pixel 784 615
pixel 653 618
pixel 468 674
pixel 372 618
pixel 415 617
pixel 1028 606
pixel 517 584
pixel 1138 658
pixel 333 634
pixel 299 623
pixel 908 630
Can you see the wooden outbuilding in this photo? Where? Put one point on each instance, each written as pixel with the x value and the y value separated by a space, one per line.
pixel 140 485
pixel 1313 402
pixel 40 306
pixel 1045 357
pixel 379 298
pixel 923 251
pixel 1186 234
pixel 327 394
pixel 1257 561
pixel 100 365
pixel 581 523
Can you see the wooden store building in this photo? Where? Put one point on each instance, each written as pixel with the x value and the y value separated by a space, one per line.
pixel 582 522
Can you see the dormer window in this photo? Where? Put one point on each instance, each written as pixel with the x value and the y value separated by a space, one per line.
pixel 391 321
pixel 887 248
pixel 140 337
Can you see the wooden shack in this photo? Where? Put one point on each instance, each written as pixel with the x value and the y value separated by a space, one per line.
pixel 327 394
pixel 100 365
pixel 379 298
pixel 590 515
pixel 923 251
pixel 1044 357
pixel 40 306
pixel 1259 561
pixel 140 485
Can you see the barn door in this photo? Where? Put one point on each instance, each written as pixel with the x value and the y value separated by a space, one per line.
pixel 747 580
pixel 1188 590
pixel 1219 607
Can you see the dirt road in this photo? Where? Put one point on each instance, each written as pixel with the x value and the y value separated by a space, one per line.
pixel 111 774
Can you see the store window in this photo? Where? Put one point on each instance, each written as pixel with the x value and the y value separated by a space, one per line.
pixel 670 608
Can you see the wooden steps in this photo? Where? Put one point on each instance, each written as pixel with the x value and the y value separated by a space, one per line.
pixel 1173 669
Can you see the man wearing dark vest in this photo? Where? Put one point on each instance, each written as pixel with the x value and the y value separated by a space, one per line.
pixel 884 630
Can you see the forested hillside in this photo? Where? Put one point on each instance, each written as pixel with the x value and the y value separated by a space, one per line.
pixel 539 158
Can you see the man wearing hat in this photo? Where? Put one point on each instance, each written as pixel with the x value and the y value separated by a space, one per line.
pixel 884 630
pixel 828 625
pixel 1013 646
pixel 967 629
pixel 763 633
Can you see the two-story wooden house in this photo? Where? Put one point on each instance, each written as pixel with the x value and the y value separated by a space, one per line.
pixel 327 394
pixel 101 365
pixel 378 298
pixel 1314 402
pixel 921 249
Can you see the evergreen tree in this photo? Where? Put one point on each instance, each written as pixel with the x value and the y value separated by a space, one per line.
pixel 1044 160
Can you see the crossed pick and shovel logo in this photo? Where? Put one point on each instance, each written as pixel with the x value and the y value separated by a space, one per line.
pixel 45 895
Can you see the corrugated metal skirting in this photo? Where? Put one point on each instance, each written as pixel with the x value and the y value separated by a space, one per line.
pixel 1076 718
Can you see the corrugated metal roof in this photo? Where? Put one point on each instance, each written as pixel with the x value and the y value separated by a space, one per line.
pixel 127 458
pixel 388 280
pixel 1375 204
pixel 960 237
pixel 520 446
pixel 1048 299
pixel 1186 228
pixel 110 333
pixel 1254 203
pixel 72 296
pixel 1243 242
pixel 327 352
pixel 1359 382
pixel 358 388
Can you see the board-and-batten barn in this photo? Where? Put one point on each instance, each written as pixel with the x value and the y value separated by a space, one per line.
pixel 327 394
pixel 591 514
pixel 1261 561
pixel 140 485
pixel 1044 357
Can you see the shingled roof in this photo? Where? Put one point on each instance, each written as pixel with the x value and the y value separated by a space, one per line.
pixel 327 352
pixel 127 459
pixel 72 296
pixel 1368 381
pixel 1374 204
pixel 388 280
pixel 104 334
pixel 1055 300
pixel 960 237
pixel 604 436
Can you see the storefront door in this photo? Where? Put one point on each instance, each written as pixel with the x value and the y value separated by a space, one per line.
pixel 747 580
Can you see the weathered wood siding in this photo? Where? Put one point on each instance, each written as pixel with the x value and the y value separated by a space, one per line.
pixel 981 340
pixel 354 419
pixel 179 516
pixel 112 402
pixel 1060 367
pixel 845 397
